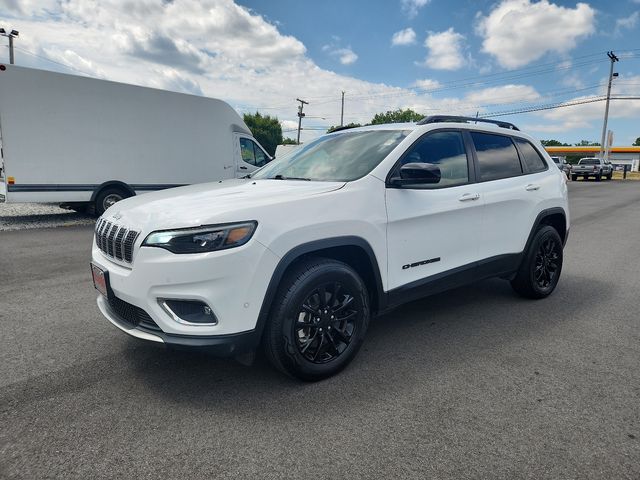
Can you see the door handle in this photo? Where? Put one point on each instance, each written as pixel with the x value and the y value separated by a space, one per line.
pixel 469 196
pixel 243 168
pixel 531 187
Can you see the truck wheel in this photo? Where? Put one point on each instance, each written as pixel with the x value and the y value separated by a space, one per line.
pixel 540 270
pixel 108 196
pixel 318 320
pixel 574 177
pixel 598 177
pixel 610 176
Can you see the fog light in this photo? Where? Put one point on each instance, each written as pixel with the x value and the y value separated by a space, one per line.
pixel 189 312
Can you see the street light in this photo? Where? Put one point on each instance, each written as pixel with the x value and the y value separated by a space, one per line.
pixel 11 35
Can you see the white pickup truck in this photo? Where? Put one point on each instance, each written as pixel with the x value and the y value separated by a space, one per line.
pixel 592 167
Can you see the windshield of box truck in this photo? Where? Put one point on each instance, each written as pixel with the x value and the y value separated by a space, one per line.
pixel 342 157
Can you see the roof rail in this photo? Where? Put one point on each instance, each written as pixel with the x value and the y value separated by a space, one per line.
pixel 456 119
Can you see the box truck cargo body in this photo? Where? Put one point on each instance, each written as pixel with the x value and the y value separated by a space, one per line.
pixel 79 141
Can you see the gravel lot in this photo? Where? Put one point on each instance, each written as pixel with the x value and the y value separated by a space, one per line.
pixel 473 383
pixel 20 216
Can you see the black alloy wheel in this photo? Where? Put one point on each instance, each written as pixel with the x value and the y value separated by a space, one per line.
pixel 540 269
pixel 326 322
pixel 546 266
pixel 318 319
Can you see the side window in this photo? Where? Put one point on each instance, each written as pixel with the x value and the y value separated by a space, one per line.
pixel 446 150
pixel 261 158
pixel 247 152
pixel 532 159
pixel 497 156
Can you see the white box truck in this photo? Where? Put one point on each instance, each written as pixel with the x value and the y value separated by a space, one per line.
pixel 80 141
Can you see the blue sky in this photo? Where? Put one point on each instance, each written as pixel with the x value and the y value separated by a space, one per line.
pixel 435 56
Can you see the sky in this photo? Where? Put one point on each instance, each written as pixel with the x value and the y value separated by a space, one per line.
pixel 458 57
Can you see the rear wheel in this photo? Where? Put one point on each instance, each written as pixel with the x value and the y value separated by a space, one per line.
pixel 109 196
pixel 318 321
pixel 574 177
pixel 540 270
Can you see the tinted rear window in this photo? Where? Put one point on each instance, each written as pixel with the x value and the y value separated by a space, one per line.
pixel 589 161
pixel 531 157
pixel 497 156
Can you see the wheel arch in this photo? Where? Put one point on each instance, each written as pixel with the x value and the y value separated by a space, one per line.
pixel 352 250
pixel 555 217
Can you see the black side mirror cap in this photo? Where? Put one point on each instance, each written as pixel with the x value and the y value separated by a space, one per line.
pixel 417 173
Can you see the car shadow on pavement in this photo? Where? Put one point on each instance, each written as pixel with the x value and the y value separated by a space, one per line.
pixel 437 332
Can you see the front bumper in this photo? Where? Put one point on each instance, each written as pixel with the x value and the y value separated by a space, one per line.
pixel 231 282
pixel 220 345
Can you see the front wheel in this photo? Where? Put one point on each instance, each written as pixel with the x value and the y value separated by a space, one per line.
pixel 318 321
pixel 574 177
pixel 540 270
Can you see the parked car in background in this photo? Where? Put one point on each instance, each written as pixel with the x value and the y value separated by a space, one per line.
pixel 562 165
pixel 592 167
pixel 84 142
pixel 299 257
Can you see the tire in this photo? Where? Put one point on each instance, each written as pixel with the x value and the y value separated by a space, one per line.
pixel 108 196
pixel 598 177
pixel 574 177
pixel 610 176
pixel 537 277
pixel 304 339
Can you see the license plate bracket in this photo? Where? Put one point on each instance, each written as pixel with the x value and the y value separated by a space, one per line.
pixel 100 280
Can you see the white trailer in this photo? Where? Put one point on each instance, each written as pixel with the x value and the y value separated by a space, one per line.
pixel 81 141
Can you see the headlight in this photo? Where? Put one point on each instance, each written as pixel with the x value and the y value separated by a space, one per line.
pixel 202 239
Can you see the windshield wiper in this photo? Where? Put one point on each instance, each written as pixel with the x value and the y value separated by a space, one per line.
pixel 282 177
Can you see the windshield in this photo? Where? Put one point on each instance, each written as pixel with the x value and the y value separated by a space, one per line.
pixel 589 161
pixel 343 157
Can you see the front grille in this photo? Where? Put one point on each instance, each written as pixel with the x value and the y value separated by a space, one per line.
pixel 115 241
pixel 132 315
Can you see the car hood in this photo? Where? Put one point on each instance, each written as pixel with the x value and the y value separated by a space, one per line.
pixel 208 203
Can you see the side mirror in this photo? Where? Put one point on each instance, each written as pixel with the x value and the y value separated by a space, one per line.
pixel 418 173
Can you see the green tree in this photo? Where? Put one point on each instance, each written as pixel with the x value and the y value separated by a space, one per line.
pixel 587 143
pixel 265 129
pixel 637 142
pixel 333 128
pixel 288 141
pixel 554 143
pixel 396 116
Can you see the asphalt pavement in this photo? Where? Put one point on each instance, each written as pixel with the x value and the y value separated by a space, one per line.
pixel 472 383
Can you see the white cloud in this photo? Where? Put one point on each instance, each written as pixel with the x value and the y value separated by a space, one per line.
pixel 517 32
pixel 427 84
pixel 445 50
pixel 404 37
pixel 629 22
pixel 503 94
pixel 412 7
pixel 346 56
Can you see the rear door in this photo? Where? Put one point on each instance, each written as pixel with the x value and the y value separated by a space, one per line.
pixel 251 155
pixel 433 228
pixel 511 189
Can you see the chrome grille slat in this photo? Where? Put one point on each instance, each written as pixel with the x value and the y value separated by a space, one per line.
pixel 115 241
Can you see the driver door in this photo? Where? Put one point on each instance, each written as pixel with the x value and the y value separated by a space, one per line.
pixel 434 228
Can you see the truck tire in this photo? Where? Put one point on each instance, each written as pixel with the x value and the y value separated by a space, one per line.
pixel 599 177
pixel 610 176
pixel 540 270
pixel 108 196
pixel 574 177
pixel 318 320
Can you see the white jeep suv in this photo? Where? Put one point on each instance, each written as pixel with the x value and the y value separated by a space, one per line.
pixel 300 256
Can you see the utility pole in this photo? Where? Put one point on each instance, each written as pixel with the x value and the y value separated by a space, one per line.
pixel 342 111
pixel 12 34
pixel 613 59
pixel 300 115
